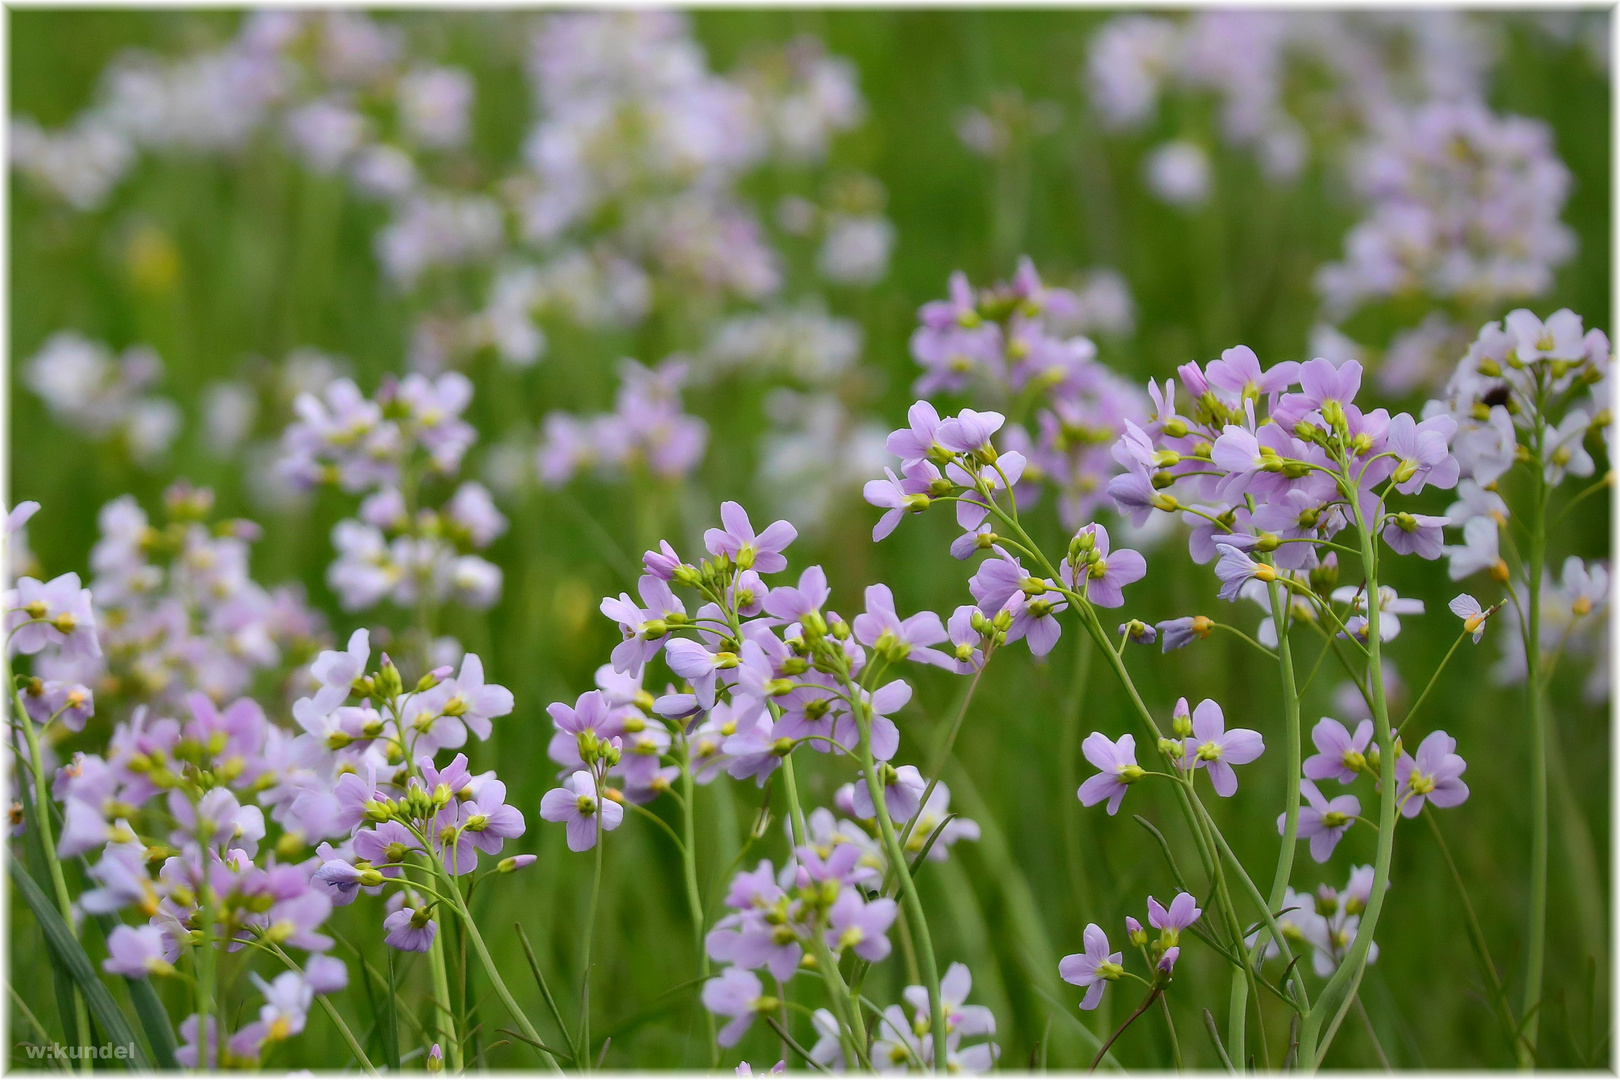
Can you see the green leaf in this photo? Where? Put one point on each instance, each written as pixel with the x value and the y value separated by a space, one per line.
pixel 34 841
pixel 103 1008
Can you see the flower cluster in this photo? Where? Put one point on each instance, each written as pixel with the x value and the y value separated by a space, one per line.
pixel 996 343
pixel 646 431
pixel 89 389
pixel 1462 203
pixel 385 447
pixel 1327 921
pixel 764 670
pixel 1095 968
pixel 178 609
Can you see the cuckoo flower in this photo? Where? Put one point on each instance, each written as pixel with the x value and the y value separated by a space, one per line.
pixel 1435 774
pixel 576 805
pixel 885 633
pixel 1467 609
pixel 1215 749
pixel 1119 770
pixel 750 552
pixel 1340 755
pixel 1093 969
pixel 1322 821
pixel 1105 575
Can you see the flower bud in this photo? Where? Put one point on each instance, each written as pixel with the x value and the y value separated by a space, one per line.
pixel 435 1059
pixel 1325 575
pixel 1181 719
pixel 387 680
pixel 1175 427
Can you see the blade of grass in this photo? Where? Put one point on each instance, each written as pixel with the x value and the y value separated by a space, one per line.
pixel 72 957
pixel 551 1003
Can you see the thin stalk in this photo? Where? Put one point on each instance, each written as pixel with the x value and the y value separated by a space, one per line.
pixel 494 974
pixel 910 899
pixel 444 1021
pixel 331 1011
pixel 585 966
pixel 1290 695
pixel 1347 978
pixel 851 1028
pixel 1432 680
pixel 1535 952
pixel 1147 1003
pixel 944 752
pixel 694 897
pixel 1170 1025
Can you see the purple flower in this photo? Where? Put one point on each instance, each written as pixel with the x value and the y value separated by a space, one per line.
pixel 662 563
pixel 1238 372
pixel 1327 390
pixel 576 804
pixel 1107 574
pixel 410 929
pixel 750 552
pixel 1236 569
pixel 336 671
pixel 1167 962
pixel 792 602
pixel 1321 821
pixel 738 994
pixel 474 701
pixel 1182 913
pixel 969 432
pixel 286 1004
pixel 1214 748
pixel 1179 633
pixel 883 631
pixel 139 951
pixel 900 496
pixel 57 612
pixel 1093 969
pixel 1138 632
pixel 1422 452
pixel 1467 609
pixel 965 655
pixel 918 441
pixel 342 880
pixel 190 1044
pixel 1340 755
pixel 861 925
pixel 1436 775
pixel 1119 770
pixel 488 821
pixel 902 793
pixel 1415 534
pixel 698 666
pixel 326 974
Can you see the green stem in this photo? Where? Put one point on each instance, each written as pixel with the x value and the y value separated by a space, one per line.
pixel 444 1021
pixel 1432 680
pixel 495 979
pixel 1476 934
pixel 1342 986
pixel 851 1028
pixel 585 966
pixel 1290 694
pixel 694 897
pixel 331 1011
pixel 1535 953
pixel 910 898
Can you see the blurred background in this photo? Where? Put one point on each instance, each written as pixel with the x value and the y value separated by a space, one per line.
pixel 212 213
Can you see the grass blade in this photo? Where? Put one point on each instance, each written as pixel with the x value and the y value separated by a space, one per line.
pixel 33 841
pixel 551 1002
pixel 72 957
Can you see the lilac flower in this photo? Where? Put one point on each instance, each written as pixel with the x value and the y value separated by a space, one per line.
pixel 1390 606
pixel 792 602
pixel 71 703
pixel 698 666
pixel 1480 550
pixel 1106 574
pixel 662 563
pixel 190 1044
pixel 410 929
pixel 1236 569
pixel 882 630
pixel 860 925
pixel 342 880
pixel 1179 633
pixel 1435 775
pixel 474 701
pixel 738 994
pixel 1467 609
pixel 286 1004
pixel 1214 748
pixel 1093 969
pixel 762 553
pixel 1138 632
pixel 902 793
pixel 57 612
pixel 965 656
pixel 969 431
pixel 488 821
pixel 1414 534
pixel 1321 821
pixel 326 974
pixel 1034 616
pixel 1119 770
pixel 576 804
pixel 918 441
pixel 1238 373
pixel 1340 755
pixel 1167 962
pixel 139 951
pixel 337 671
pixel 1422 452
pixel 1182 913
pixel 898 497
